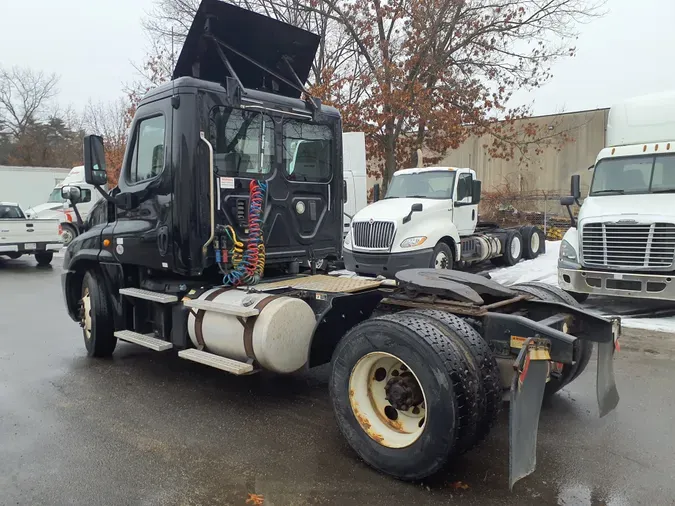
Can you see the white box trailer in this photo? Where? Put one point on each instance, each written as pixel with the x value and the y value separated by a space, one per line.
pixel 28 186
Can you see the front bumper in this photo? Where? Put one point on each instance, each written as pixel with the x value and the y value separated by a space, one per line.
pixel 385 264
pixel 620 284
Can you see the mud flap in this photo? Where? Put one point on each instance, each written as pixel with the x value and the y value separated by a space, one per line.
pixel 608 395
pixel 527 394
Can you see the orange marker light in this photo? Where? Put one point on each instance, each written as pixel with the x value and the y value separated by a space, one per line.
pixel 656 148
pixel 613 150
pixel 668 146
pixel 106 242
pixel 644 148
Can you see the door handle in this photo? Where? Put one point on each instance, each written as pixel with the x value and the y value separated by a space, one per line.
pixel 473 214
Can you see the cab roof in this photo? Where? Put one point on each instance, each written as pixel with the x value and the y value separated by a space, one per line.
pixel 254 36
pixel 427 169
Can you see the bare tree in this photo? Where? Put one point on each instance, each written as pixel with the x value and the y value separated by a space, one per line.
pixel 24 93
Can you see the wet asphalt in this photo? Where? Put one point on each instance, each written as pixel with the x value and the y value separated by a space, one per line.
pixel 151 429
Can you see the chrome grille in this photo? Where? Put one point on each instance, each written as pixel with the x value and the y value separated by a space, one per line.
pixel 373 234
pixel 641 246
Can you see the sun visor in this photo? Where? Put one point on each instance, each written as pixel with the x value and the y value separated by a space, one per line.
pixel 260 38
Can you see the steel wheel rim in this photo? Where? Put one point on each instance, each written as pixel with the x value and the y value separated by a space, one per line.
pixel 86 313
pixel 67 236
pixel 441 261
pixel 515 247
pixel 534 242
pixel 368 389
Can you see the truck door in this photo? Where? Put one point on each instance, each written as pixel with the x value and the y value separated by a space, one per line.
pixel 142 230
pixel 465 215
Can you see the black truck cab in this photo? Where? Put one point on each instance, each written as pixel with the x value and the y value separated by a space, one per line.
pixel 235 112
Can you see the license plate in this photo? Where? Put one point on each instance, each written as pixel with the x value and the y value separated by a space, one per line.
pixel 30 245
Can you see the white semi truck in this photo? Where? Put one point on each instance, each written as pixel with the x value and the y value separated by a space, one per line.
pixel 622 242
pixel 429 218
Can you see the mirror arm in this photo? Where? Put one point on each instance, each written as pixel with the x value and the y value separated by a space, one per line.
pixel 104 194
pixel 573 221
pixel 78 216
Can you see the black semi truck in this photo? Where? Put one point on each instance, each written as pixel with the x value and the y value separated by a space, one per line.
pixel 232 178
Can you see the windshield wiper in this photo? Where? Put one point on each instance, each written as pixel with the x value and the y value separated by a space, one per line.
pixel 664 190
pixel 600 192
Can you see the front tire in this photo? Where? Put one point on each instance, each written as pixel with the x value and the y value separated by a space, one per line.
pixel 97 321
pixel 442 258
pixel 44 258
pixel 366 359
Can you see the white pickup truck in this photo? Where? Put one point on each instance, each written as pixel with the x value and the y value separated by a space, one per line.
pixel 20 236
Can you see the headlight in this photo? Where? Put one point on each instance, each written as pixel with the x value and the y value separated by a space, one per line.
pixel 567 252
pixel 348 239
pixel 411 242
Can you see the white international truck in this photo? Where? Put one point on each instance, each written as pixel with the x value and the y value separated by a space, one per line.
pixel 429 218
pixel 623 239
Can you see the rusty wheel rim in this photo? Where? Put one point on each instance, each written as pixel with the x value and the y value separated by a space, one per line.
pixel 387 400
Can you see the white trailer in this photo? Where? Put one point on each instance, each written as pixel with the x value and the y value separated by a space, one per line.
pixel 28 186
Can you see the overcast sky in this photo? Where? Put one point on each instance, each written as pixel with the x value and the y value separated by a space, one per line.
pixel 91 44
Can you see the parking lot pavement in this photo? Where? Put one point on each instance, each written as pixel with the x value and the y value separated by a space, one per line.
pixel 150 429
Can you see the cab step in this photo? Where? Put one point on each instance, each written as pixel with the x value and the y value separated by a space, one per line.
pixel 222 363
pixel 219 307
pixel 141 339
pixel 139 293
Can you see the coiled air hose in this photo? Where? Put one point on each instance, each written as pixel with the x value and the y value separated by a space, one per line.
pixel 249 261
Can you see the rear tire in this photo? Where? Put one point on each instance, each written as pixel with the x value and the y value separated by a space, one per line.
pixel 68 233
pixel 472 343
pixel 533 241
pixel 570 372
pixel 442 258
pixel 513 249
pixel 98 329
pixel 44 258
pixel 438 367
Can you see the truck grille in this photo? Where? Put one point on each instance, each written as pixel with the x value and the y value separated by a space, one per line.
pixel 642 246
pixel 373 234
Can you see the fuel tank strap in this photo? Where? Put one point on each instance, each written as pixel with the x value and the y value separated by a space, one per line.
pixel 250 323
pixel 199 319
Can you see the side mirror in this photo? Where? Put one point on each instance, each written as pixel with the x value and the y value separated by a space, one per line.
pixel 567 201
pixel 376 192
pixel 94 160
pixel 575 186
pixel 344 191
pixel 71 193
pixel 415 208
pixel 475 191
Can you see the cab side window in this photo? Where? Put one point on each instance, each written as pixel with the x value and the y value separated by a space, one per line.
pixel 147 158
pixel 464 186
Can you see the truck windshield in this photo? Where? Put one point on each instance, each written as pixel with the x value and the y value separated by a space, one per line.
pixel 424 185
pixel 55 196
pixel 243 142
pixel 307 151
pixel 634 174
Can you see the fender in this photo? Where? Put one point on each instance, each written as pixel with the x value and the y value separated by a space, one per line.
pixel 434 230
